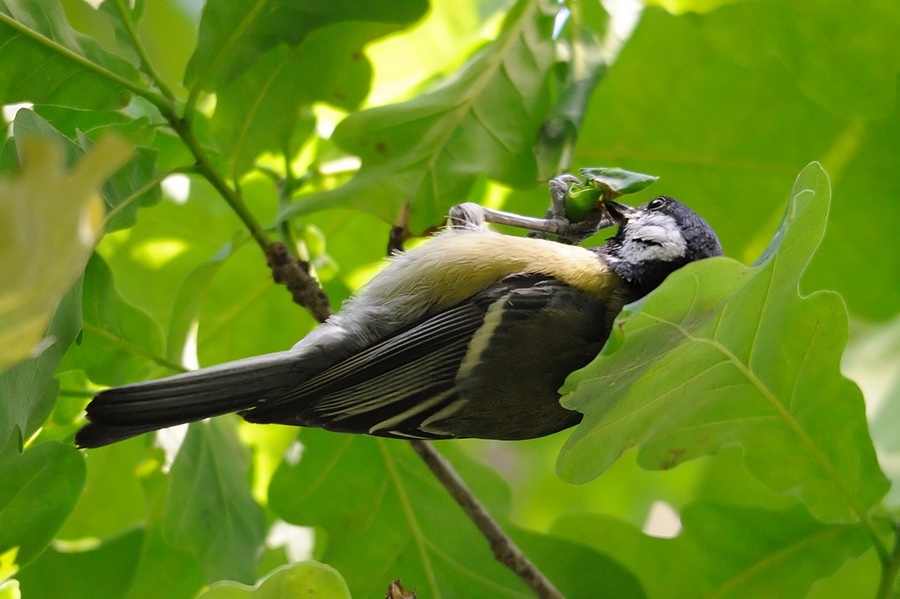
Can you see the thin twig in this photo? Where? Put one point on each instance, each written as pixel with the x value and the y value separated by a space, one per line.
pixel 399 232
pixel 146 64
pixel 504 548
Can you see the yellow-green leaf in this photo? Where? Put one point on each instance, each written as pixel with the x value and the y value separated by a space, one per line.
pixel 50 219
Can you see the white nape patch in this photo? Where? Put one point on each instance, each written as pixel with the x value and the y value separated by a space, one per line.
pixel 653 237
pixel 663 521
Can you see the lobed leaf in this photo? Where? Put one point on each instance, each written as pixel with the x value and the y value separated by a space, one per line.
pixel 39 490
pixel 51 218
pixel 44 60
pixel 260 110
pixel 209 509
pixel 617 180
pixel 104 571
pixel 727 136
pixel 723 354
pixel 235 33
pixel 307 579
pixel 429 152
pixel 388 517
pixel 164 570
pixel 28 390
pixel 113 500
pixel 120 342
pixel 124 15
pixel 725 551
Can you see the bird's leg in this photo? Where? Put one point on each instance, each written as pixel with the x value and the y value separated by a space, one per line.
pixel 473 216
pixel 559 188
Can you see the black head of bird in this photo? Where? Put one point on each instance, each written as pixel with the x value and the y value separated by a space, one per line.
pixel 656 239
pixel 469 335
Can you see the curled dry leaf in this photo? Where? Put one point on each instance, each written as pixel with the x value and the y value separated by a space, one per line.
pixel 396 591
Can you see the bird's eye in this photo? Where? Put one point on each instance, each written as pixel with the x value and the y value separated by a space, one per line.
pixel 656 204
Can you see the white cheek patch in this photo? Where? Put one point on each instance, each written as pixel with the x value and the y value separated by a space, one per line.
pixel 653 237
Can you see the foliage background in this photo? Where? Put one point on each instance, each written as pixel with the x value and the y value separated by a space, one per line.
pixel 725 101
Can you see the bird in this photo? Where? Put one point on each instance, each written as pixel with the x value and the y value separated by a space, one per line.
pixel 469 335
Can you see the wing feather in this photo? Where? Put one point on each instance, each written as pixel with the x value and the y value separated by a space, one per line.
pixel 389 378
pixel 459 368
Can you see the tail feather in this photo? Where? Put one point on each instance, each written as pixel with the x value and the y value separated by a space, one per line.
pixel 119 413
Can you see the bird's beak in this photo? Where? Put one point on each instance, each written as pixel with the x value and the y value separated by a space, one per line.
pixel 620 212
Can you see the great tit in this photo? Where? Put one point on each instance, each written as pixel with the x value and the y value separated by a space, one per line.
pixel 468 335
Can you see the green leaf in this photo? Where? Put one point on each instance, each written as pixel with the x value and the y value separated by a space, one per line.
pixel 164 571
pixel 124 15
pixel 9 589
pixel 121 343
pixel 186 307
pixel 113 499
pixel 106 571
pixel 728 139
pixel 617 180
pixel 682 6
pixel 50 218
pixel 605 183
pixel 388 517
pixel 308 579
pixel 8 566
pixel 45 61
pixel 134 186
pixel 39 490
pixel 583 40
pixel 28 390
pixel 241 301
pixel 429 152
pixel 725 552
pixel 723 354
pixel 209 510
pixel 72 123
pixel 259 110
pixel 840 65
pixel 234 33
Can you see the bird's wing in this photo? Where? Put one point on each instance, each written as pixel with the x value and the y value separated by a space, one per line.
pixel 412 377
pixel 410 373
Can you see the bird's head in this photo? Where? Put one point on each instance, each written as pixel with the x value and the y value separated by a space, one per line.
pixel 655 239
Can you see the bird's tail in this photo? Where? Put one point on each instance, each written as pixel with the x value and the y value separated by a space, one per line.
pixel 123 412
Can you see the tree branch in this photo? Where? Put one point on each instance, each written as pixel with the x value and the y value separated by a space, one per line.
pixel 131 30
pixel 505 549
pixel 294 274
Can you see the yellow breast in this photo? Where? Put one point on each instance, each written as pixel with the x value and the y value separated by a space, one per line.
pixel 454 266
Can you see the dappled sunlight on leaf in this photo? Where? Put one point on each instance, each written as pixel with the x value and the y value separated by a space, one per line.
pixel 429 151
pixel 724 551
pixel 722 354
pixel 402 522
